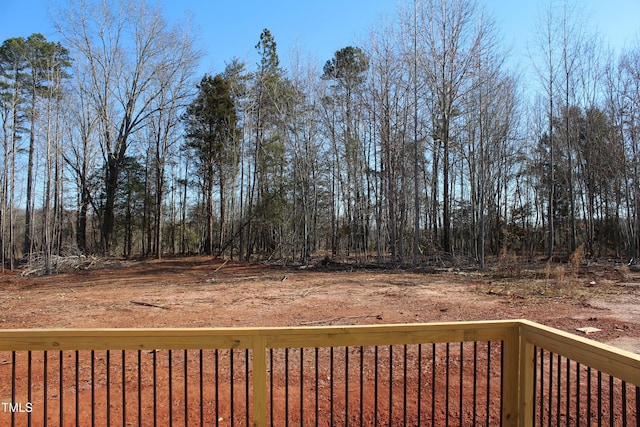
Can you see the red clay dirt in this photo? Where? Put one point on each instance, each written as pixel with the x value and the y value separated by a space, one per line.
pixel 206 292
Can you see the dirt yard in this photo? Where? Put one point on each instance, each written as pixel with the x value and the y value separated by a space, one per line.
pixel 205 292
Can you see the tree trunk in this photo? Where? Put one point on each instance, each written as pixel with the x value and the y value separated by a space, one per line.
pixel 28 227
pixel 446 218
pixel 221 235
pixel 108 220
pixel 159 210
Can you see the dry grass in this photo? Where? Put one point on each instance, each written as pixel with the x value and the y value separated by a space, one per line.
pixel 560 275
pixel 547 272
pixel 575 261
pixel 573 279
pixel 540 288
pixel 510 262
pixel 624 271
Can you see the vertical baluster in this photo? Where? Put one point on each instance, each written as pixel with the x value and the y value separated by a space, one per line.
pixel 588 395
pixel 331 396
pixel 550 387
pixel 170 360
pixel 433 384
pixel 13 386
pixel 317 385
pixel 139 388
pixel 246 386
pixel 77 373
pixel 201 385
pixel 474 412
pixel 186 387
pixel 390 385
pixel 535 382
pixel 155 382
pixel 488 412
pixel 45 401
pixel 501 382
pixel 419 391
pixel 231 388
pixel 599 376
pixel 93 388
pixel 346 385
pixel 404 393
pixel 61 387
pixel 301 386
pixel 568 392
pixel 446 386
pixel 611 401
pixel 216 365
pixel 271 385
pixel 375 386
pixel 361 386
pixel 559 392
pixel 124 391
pixel 578 397
pixel 286 387
pixel 108 375
pixel 29 383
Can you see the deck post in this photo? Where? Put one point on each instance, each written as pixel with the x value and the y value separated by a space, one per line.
pixel 511 378
pixel 527 380
pixel 259 354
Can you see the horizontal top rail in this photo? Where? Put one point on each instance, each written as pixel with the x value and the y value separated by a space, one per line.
pixel 243 338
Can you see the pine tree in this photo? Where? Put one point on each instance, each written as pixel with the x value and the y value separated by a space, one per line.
pixel 211 121
pixel 347 72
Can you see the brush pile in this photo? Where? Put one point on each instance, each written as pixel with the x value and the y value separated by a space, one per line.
pixel 37 265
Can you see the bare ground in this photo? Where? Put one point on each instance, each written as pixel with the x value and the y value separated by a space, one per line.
pixel 206 292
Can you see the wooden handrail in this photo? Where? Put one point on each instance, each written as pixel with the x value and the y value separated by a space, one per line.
pixel 275 337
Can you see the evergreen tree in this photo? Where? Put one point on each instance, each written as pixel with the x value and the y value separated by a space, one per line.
pixel 212 134
pixel 12 77
pixel 347 72
pixel 46 62
pixel 265 194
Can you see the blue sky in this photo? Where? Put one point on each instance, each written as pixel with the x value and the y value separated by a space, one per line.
pixel 231 28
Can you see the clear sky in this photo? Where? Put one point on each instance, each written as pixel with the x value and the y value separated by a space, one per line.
pixel 231 28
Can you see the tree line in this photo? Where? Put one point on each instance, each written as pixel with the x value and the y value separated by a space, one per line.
pixel 421 143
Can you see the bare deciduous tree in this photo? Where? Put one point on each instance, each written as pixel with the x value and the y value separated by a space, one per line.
pixel 453 37
pixel 132 58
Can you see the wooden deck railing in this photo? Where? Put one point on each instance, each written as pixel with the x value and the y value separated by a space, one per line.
pixel 515 373
pixel 575 389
